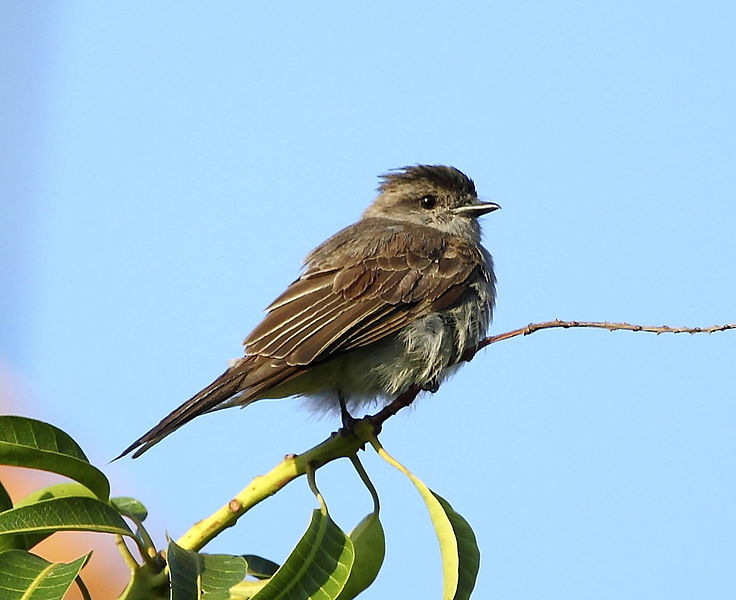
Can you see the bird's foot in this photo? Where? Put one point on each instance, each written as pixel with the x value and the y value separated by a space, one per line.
pixel 431 386
pixel 348 420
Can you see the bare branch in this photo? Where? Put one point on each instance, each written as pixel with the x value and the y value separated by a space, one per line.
pixel 388 411
pixel 532 327
pixel 408 397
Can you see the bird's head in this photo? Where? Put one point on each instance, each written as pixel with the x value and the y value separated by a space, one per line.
pixel 431 195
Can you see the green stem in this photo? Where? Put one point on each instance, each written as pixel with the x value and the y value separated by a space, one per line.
pixel 338 445
pixel 315 490
pixel 366 480
pixel 128 558
pixel 150 548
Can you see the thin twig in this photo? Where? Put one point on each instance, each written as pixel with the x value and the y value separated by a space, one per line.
pixel 532 327
pixel 395 406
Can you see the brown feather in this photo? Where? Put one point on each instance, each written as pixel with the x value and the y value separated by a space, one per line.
pixel 285 328
pixel 303 286
pixel 313 348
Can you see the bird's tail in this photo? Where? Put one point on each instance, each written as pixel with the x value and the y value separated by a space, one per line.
pixel 247 376
pixel 219 391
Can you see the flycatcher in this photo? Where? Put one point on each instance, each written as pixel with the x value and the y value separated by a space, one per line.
pixel 389 303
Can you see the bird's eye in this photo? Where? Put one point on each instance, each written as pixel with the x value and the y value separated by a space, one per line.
pixel 428 201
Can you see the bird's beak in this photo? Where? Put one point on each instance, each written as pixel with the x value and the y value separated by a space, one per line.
pixel 476 210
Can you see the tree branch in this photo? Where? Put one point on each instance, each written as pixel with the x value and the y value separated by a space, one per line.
pixel 532 327
pixel 347 443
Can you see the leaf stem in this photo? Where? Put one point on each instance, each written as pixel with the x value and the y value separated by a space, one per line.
pixel 367 481
pixel 148 545
pixel 125 553
pixel 388 458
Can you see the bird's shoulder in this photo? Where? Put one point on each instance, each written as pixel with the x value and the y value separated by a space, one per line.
pixel 385 244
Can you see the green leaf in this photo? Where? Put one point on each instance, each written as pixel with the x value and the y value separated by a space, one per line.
pixel 5 501
pixel 467 549
pixel 63 514
pixel 260 567
pixel 318 566
pixel 25 576
pixel 247 589
pixel 459 551
pixel 36 445
pixel 8 541
pixel 369 543
pixel 58 490
pixel 203 576
pixel 61 490
pixel 130 507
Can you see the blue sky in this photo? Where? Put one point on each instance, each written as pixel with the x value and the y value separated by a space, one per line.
pixel 168 166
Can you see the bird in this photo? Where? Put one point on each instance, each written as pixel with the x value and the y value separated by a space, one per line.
pixel 391 302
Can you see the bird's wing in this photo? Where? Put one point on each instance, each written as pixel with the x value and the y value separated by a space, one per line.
pixel 363 284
